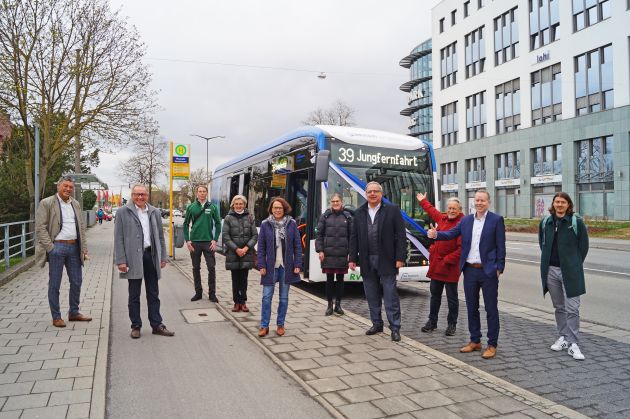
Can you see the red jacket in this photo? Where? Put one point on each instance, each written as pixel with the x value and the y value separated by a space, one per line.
pixel 444 255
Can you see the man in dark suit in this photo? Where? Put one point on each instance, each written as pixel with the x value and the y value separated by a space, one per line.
pixel 379 245
pixel 482 261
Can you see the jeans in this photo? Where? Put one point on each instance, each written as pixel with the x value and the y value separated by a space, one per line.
pixel 68 255
pixel 153 295
pixel 436 288
pixel 474 281
pixel 567 309
pixel 283 304
pixel 199 249
pixel 334 289
pixel 239 285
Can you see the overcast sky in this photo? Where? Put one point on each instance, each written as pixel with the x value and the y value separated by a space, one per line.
pixel 357 43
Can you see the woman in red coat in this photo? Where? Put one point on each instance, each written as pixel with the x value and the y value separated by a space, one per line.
pixel 444 264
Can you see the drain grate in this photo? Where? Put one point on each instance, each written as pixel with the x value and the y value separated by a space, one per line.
pixel 202 315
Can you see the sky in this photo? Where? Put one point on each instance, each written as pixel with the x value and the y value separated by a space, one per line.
pixel 207 60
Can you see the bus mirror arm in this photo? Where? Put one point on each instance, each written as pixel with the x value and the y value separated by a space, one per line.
pixel 321 165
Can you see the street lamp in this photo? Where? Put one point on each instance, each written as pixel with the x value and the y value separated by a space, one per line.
pixel 207 140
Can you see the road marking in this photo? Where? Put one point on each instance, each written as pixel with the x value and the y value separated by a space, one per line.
pixel 586 269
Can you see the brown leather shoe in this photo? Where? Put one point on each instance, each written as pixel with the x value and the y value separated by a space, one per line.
pixel 280 331
pixel 236 308
pixel 79 318
pixel 163 331
pixel 490 352
pixel 244 308
pixel 135 333
pixel 472 346
pixel 263 331
pixel 59 323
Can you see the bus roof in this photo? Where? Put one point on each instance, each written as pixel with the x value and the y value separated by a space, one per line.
pixel 351 135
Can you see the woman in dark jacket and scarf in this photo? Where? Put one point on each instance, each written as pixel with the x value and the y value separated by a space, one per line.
pixel 279 260
pixel 332 244
pixel 239 237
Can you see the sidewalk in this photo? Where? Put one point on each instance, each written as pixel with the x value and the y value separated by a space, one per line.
pixel 359 376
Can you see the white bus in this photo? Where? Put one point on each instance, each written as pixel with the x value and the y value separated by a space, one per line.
pixel 308 165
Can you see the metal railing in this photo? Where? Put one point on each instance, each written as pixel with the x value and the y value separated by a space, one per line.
pixel 17 239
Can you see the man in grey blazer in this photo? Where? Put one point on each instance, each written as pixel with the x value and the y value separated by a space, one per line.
pixel 61 242
pixel 140 252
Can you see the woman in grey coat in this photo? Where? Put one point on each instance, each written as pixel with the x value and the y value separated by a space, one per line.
pixel 239 237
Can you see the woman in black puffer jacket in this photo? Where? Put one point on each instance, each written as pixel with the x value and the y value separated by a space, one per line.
pixel 332 244
pixel 239 237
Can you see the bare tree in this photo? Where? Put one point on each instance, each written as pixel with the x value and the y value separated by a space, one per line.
pixel 72 66
pixel 340 113
pixel 147 164
pixel 197 177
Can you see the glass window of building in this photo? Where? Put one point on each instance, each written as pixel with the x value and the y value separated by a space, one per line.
pixel 589 12
pixel 475 45
pixel 508 165
pixel 506 37
pixel 594 81
pixel 481 3
pixel 508 106
pixel 546 89
pixel 466 9
pixel 476 169
pixel 449 173
pixel 476 116
pixel 449 124
pixel 595 177
pixel 544 21
pixel 547 160
pixel 453 17
pixel 441 25
pixel 448 61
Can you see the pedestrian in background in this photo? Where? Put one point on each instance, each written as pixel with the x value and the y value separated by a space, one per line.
pixel 443 264
pixel 202 227
pixel 140 252
pixel 239 238
pixel 279 260
pixel 333 245
pixel 100 214
pixel 61 242
pixel 563 240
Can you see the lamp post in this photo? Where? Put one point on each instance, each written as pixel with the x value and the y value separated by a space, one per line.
pixel 207 141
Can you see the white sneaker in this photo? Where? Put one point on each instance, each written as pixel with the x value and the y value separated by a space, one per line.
pixel 560 344
pixel 575 352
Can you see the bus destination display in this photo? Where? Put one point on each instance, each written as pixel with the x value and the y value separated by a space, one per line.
pixel 356 155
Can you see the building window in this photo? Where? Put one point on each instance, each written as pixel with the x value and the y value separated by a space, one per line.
pixel 448 59
pixel 589 12
pixel 546 87
pixel 441 25
pixel 508 106
pixel 466 9
pixel 595 160
pixel 594 81
pixel 475 45
pixel 509 165
pixel 547 160
pixel 506 37
pixel 476 170
pixel 476 116
pixel 449 173
pixel 449 124
pixel 544 22
pixel 481 3
pixel 453 17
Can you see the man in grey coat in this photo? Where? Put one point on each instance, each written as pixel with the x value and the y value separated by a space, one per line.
pixel 140 252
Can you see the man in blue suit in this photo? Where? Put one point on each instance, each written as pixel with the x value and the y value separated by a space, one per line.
pixel 482 262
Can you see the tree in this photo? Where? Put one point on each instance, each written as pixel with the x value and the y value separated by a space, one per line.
pixel 72 67
pixel 340 113
pixel 89 199
pixel 197 177
pixel 147 164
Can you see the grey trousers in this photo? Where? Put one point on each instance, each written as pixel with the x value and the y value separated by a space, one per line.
pixel 567 309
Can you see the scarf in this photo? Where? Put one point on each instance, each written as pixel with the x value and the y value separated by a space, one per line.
pixel 279 228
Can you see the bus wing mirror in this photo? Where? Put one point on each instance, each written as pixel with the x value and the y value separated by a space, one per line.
pixel 321 165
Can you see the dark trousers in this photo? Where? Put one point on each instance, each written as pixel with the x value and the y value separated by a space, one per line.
pixel 239 285
pixel 381 287
pixel 199 249
pixel 153 294
pixel 436 288
pixel 334 289
pixel 67 255
pixel 475 280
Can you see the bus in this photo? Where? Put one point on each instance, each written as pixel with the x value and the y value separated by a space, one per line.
pixel 308 165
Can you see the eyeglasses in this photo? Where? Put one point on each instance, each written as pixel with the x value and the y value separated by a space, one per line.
pixel 139 194
pixel 277 208
pixel 373 191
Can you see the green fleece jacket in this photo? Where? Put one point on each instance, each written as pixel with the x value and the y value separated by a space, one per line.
pixel 206 222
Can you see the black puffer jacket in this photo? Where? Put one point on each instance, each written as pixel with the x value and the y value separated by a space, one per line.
pixel 333 238
pixel 239 230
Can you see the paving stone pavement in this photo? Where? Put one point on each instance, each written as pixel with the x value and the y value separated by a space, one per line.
pixel 359 376
pixel 49 372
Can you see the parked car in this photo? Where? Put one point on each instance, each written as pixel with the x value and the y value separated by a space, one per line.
pixel 177 213
pixel 165 212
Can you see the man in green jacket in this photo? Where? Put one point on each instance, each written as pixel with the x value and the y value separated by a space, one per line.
pixel 202 227
pixel 563 240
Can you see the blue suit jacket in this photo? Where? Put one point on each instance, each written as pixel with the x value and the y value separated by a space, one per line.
pixel 491 244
